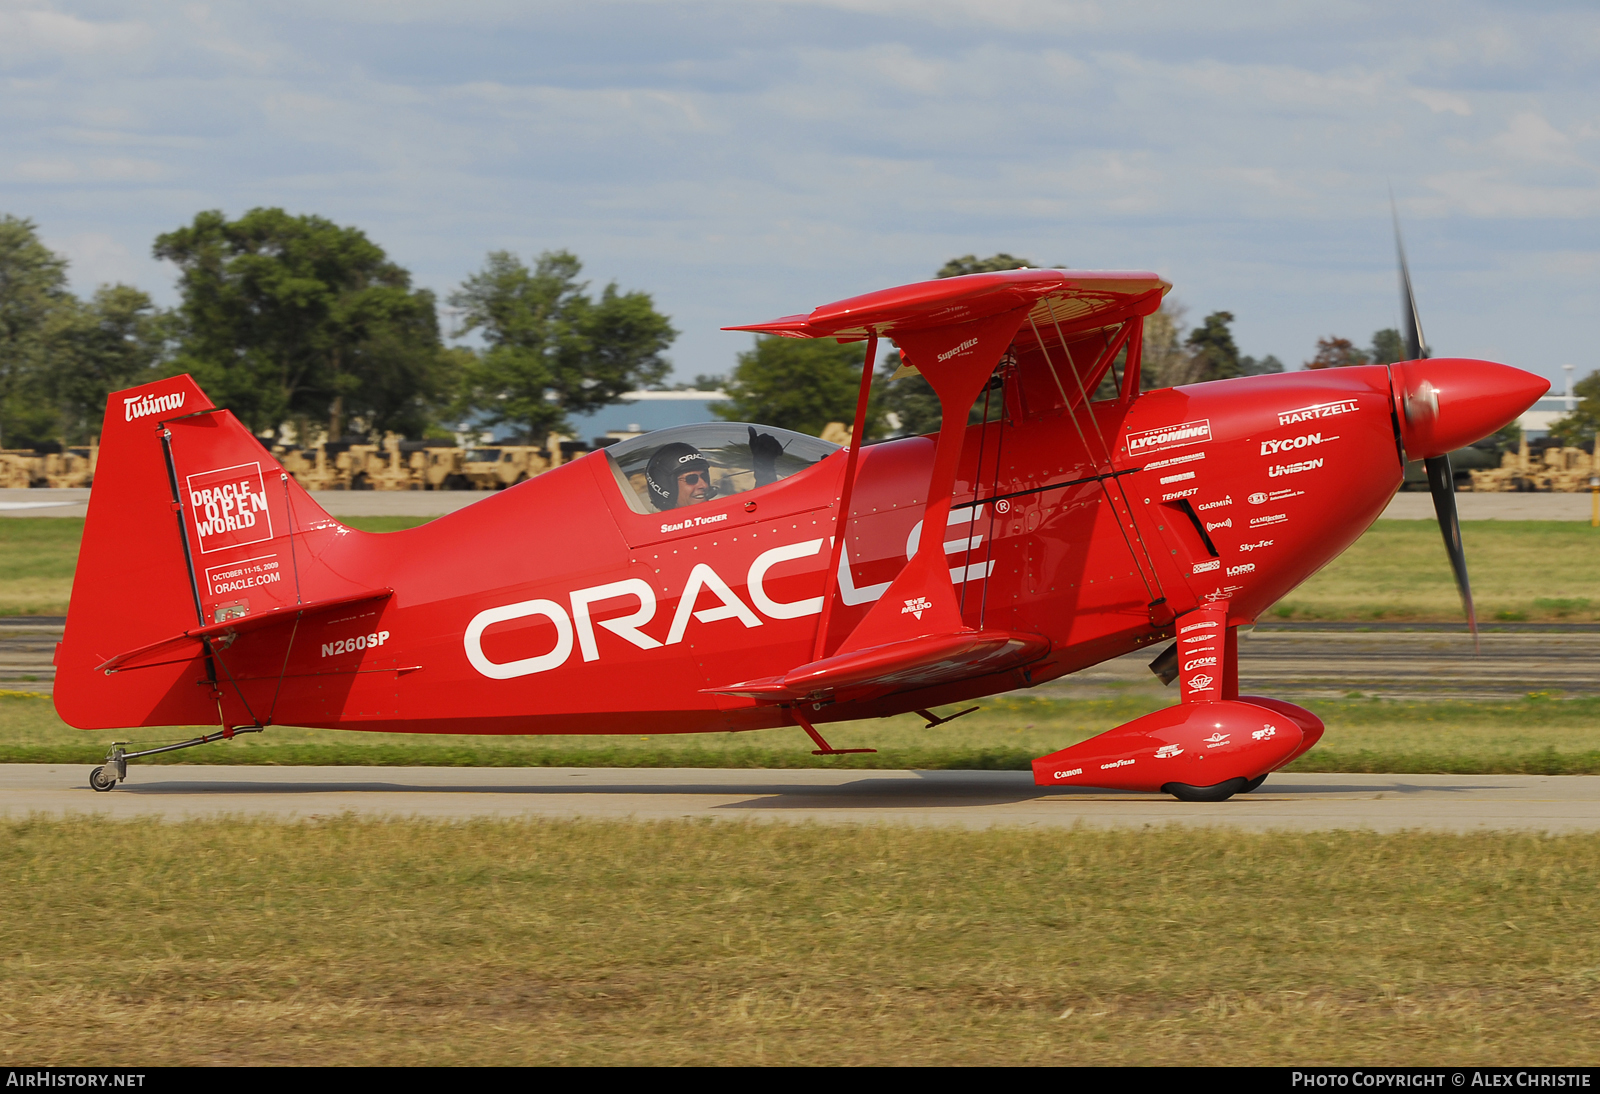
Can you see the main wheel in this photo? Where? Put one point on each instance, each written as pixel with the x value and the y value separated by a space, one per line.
pixel 1219 793
pixel 1253 783
pixel 101 779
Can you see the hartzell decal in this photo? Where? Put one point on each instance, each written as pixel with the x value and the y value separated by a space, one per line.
pixel 142 406
pixel 1279 469
pixel 1272 448
pixel 1226 499
pixel 1315 411
pixel 1176 494
pixel 1175 461
pixel 1149 440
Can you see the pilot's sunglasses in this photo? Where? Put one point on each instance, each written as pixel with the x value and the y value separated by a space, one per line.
pixel 695 478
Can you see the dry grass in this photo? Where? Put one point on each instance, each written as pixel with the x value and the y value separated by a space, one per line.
pixel 366 942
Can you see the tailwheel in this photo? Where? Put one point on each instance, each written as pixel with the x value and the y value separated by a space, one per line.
pixel 101 779
pixel 1253 783
pixel 1221 792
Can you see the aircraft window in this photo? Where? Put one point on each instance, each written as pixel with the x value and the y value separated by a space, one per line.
pixel 689 464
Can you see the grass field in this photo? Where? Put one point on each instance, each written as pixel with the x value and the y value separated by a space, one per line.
pixel 1521 570
pixel 411 943
pixel 1529 736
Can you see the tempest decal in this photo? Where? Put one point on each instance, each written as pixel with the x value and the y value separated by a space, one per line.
pixel 1316 410
pixel 1176 494
pixel 1149 440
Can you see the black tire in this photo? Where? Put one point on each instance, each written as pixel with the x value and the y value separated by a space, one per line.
pixel 1218 793
pixel 102 780
pixel 361 482
pixel 1253 783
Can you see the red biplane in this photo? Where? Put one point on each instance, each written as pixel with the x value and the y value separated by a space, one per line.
pixel 731 577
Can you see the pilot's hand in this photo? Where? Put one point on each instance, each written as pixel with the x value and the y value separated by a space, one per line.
pixel 764 452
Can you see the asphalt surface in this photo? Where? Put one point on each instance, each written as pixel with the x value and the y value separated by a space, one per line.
pixel 959 799
pixel 432 503
pixel 1275 659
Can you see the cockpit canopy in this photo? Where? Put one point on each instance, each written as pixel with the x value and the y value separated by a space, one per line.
pixel 733 456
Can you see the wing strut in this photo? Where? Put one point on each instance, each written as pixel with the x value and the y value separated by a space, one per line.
pixel 857 434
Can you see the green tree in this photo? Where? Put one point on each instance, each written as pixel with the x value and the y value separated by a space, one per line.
pixel 1249 366
pixel 1579 426
pixel 113 341
pixel 798 383
pixel 1387 347
pixel 1336 352
pixel 34 305
pixel 971 264
pixel 552 349
pixel 1211 346
pixel 294 316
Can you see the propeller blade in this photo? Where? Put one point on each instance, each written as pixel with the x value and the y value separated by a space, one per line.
pixel 1441 482
pixel 1416 348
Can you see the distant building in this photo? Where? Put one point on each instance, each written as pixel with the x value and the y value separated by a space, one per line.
pixel 1538 418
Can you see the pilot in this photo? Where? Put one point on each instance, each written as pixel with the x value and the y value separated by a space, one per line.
pixel 677 475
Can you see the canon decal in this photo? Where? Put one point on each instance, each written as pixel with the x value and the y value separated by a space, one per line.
pixel 1149 440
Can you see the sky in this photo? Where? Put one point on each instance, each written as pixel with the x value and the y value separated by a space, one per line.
pixel 741 161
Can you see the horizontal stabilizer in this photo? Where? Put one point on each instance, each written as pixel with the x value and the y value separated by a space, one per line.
pixel 183 647
pixel 898 666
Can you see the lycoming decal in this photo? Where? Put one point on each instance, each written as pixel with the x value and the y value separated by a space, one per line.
pixel 1175 461
pixel 1203 567
pixel 1316 410
pixel 1275 518
pixel 1227 499
pixel 1277 470
pixel 1147 440
pixel 1179 477
pixel 1176 494
pixel 1270 448
pixel 142 406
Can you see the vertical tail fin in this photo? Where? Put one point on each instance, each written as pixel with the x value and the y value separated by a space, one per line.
pixel 194 534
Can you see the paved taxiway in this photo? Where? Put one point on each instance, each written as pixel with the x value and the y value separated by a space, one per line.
pixel 962 799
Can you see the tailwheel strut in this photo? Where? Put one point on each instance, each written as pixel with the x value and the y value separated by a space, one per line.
pixel 115 769
pixel 823 747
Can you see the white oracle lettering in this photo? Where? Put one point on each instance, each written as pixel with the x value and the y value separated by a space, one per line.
pixel 958 574
pixel 142 406
pixel 1176 494
pixel 1269 448
pixel 1069 774
pixel 1206 567
pixel 1242 568
pixel 351 645
pixel 1316 410
pixel 1226 499
pixel 703 577
pixel 626 626
pixel 472 640
pixel 962 348
pixel 229 507
pixel 1213 525
pixel 1293 468
pixel 1169 436
pixel 1174 461
pixel 1199 663
pixel 1179 477
pixel 755 582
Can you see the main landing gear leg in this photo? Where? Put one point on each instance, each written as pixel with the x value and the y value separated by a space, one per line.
pixel 1214 744
pixel 115 769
